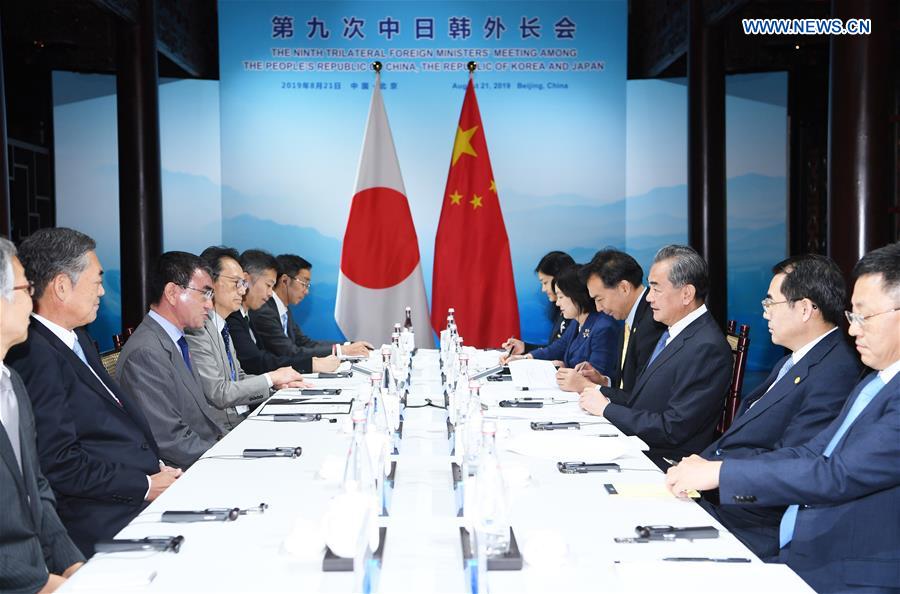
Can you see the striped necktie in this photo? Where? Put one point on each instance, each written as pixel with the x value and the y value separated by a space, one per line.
pixel 226 338
pixel 9 414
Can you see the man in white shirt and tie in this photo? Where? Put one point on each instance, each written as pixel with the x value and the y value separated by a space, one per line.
pixel 37 553
pixel 842 488
pixel 804 392
pixel 94 443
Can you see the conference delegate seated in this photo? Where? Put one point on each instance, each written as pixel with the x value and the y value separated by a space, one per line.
pixel 36 553
pixel 225 384
pixel 615 281
pixel 260 272
pixel 94 443
pixel 156 366
pixel 677 399
pixel 590 336
pixel 546 271
pixel 839 532
pixel 805 391
pixel 274 325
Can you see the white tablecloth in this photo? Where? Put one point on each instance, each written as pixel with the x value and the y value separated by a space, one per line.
pixel 564 523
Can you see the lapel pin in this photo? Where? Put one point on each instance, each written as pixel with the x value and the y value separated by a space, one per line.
pixel 797 380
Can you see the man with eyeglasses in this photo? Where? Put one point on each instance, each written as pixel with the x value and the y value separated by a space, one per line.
pixel 677 398
pixel 157 366
pixel 804 392
pixel 226 386
pixel 260 271
pixel 276 329
pixel 37 553
pixel 842 488
pixel 94 444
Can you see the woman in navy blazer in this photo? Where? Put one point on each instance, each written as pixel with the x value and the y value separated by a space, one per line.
pixel 546 270
pixel 590 336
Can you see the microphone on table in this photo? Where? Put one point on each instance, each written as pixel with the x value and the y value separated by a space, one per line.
pixel 279 452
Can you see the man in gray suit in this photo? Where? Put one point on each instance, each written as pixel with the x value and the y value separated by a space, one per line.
pixel 156 365
pixel 224 382
pixel 36 553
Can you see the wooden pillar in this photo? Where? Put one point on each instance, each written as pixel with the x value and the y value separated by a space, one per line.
pixel 859 134
pixel 706 154
pixel 140 177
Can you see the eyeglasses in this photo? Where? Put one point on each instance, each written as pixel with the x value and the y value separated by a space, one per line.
pixel 767 303
pixel 301 281
pixel 29 288
pixel 239 283
pixel 208 294
pixel 859 319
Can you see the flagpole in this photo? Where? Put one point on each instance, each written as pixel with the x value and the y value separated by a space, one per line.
pixel 376 66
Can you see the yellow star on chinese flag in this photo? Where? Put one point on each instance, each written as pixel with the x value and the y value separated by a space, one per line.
pixel 455 197
pixel 463 143
pixel 475 201
pixel 493 187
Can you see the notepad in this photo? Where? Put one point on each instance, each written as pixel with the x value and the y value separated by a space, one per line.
pixel 534 374
pixel 307 407
pixel 564 445
pixel 644 491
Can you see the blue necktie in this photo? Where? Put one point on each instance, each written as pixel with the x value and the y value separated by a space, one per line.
pixel 284 324
pixel 866 395
pixel 79 351
pixel 226 338
pixel 781 373
pixel 660 345
pixel 185 352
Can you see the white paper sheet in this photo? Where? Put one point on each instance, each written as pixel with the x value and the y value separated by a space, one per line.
pixel 535 374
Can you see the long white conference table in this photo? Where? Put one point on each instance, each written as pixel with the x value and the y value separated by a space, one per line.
pixel 565 523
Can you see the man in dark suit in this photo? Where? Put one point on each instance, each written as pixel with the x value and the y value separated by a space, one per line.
pixel 677 399
pixel 805 391
pixel 94 443
pixel 260 272
pixel 274 325
pixel 842 488
pixel 36 553
pixel 156 365
pixel 616 283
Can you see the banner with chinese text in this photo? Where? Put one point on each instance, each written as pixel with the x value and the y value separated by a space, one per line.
pixel 294 94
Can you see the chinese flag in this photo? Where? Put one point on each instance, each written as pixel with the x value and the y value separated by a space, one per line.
pixel 472 266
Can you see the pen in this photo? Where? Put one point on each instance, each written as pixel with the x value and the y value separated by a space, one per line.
pixel 711 559
pixel 607 435
pixel 670 462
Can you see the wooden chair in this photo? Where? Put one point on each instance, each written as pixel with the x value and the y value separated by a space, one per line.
pixel 111 358
pixel 740 346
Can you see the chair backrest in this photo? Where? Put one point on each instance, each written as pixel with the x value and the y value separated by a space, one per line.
pixel 109 360
pixel 739 340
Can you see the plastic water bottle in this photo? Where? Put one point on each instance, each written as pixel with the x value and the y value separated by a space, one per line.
pixel 359 481
pixel 408 335
pixel 492 515
pixel 474 420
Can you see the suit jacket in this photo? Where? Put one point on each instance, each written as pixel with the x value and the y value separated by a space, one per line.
pixel 796 409
pixel 255 359
pixel 270 335
pixel 33 539
pixel 211 364
pixel 594 342
pixel 645 333
pixel 677 400
pixel 95 453
pixel 845 537
pixel 184 424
